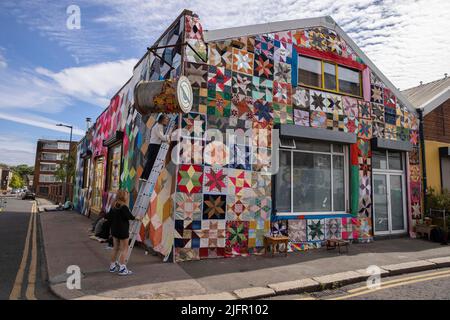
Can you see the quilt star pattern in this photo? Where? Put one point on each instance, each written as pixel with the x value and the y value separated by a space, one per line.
pixel 188 207
pixel 190 178
pixel 350 106
pixel 315 229
pixel 219 80
pixel 264 66
pixel 282 92
pixel 282 114
pixel 220 54
pixel 242 85
pixel 239 182
pixel 212 234
pixel 280 228
pixel 262 89
pixel 215 180
pixel 193 125
pixel 282 72
pixel 300 98
pixel 243 61
pixel 301 117
pixel 214 206
pixel 237 237
pixel 365 110
pixel 239 208
pixel 185 235
pixel 261 184
pixel 377 95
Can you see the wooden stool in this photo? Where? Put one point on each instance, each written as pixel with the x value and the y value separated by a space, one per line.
pixel 337 243
pixel 273 242
pixel 422 229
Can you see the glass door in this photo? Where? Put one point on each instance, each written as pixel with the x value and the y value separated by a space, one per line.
pixel 381 204
pixel 388 193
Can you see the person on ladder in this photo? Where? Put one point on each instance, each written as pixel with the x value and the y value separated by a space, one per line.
pixel 157 136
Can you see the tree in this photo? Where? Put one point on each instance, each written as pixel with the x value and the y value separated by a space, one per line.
pixel 23 170
pixel 16 181
pixel 66 167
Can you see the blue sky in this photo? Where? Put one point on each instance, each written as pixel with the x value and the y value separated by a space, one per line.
pixel 50 74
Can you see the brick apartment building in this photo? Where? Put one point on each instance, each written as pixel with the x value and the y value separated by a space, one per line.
pixel 49 156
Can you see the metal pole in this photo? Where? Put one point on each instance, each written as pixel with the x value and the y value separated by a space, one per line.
pixel 67 166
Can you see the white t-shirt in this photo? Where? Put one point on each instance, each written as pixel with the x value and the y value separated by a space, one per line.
pixel 157 134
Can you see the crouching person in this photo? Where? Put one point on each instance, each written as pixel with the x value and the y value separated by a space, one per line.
pixel 119 216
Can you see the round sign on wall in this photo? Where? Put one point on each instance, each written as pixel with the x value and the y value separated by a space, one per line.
pixel 185 95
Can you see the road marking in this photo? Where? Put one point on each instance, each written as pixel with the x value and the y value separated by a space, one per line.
pixel 391 286
pixel 401 280
pixel 15 292
pixel 32 272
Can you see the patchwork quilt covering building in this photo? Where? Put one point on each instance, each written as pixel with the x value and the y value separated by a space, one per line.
pixel 348 156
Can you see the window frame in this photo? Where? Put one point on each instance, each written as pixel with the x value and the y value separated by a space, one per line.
pixel 86 172
pixel 345 154
pixel 336 66
pixel 109 166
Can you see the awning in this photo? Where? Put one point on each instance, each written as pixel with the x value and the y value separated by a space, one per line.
pixel 388 144
pixel 118 136
pixel 295 131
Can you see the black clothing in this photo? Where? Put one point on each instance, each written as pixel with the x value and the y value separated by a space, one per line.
pixel 152 153
pixel 119 218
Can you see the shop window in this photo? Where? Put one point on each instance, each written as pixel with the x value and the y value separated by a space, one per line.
pixel 114 158
pixel 86 172
pixel 98 183
pixel 310 72
pixel 349 81
pixel 312 179
pixel 329 76
pixel 387 160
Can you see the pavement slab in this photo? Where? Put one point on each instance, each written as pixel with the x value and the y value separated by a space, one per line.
pixel 66 241
pixel 412 266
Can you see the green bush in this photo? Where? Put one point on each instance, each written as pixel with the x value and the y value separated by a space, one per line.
pixel 438 201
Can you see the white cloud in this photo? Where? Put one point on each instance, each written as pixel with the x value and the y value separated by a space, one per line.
pixel 52 92
pixel 93 83
pixel 407 40
pixel 16 150
pixel 41 122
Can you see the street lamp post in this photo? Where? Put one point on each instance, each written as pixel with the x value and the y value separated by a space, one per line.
pixel 68 158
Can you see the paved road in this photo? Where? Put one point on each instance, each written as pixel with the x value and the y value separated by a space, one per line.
pixel 427 285
pixel 23 273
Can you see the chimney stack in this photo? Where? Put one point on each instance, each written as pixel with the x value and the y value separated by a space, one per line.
pixel 88 124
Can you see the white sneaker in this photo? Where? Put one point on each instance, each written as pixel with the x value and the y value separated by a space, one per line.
pixel 114 267
pixel 123 271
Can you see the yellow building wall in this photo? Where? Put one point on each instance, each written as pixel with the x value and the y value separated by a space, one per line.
pixel 433 164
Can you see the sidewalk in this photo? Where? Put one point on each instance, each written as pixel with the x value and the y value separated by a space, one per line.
pixel 44 203
pixel 66 242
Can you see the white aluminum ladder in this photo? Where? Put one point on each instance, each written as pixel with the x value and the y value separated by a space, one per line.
pixel 146 189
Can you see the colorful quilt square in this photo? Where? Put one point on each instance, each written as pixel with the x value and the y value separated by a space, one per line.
pixel 316 229
pixel 350 106
pixel 197 74
pixel 301 117
pixel 282 52
pixel 377 95
pixel 193 125
pixel 297 231
pixel 378 129
pixel 212 234
pixel 220 54
pixel 219 106
pixel 242 85
pixel 333 228
pixel 347 228
pixel 261 184
pixel 190 151
pixel 215 180
pixel 261 159
pixel 377 112
pixel 237 237
pixel 185 235
pixel 243 61
pixel 190 178
pixel 300 98
pixel 282 114
pixel 211 253
pixel 264 47
pixel 193 28
pixel 239 208
pixel 257 230
pixel 317 99
pixel 389 98
pixel 351 124
pixel 282 92
pixel 240 157
pixel 263 111
pixel 219 80
pixel 188 207
pixel 262 207
pixel 280 228
pixel 196 51
pixel 262 89
pixel 240 182
pixel 365 129
pixel 318 119
pixel 365 110
pixel 333 104
pixel 264 66
pixel 282 72
pixel 390 132
pixel 214 206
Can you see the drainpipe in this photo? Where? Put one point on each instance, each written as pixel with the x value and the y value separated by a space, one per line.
pixel 424 167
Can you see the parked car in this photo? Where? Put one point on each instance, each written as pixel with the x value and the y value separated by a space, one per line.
pixel 29 195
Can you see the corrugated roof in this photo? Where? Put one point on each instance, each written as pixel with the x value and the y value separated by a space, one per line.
pixel 429 95
pixel 326 21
